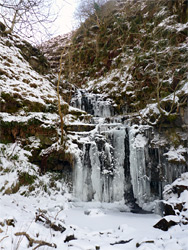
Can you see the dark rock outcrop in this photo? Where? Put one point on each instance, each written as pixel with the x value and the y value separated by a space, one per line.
pixel 164 224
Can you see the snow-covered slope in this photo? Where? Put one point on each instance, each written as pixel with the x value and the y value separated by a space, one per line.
pixel 137 51
pixel 29 119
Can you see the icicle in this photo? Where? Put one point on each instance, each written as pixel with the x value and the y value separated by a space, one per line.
pixel 140 180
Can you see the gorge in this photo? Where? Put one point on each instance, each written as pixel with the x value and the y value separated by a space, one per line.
pixel 123 95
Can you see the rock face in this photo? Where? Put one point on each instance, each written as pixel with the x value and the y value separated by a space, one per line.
pixel 175 205
pixel 29 120
pixel 120 55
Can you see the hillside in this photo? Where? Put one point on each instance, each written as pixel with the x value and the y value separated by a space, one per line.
pixel 30 123
pixel 128 63
pixel 122 161
pixel 136 56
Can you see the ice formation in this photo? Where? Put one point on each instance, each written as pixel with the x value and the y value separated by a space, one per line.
pixel 117 163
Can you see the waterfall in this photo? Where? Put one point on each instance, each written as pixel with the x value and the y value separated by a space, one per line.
pixel 139 178
pixel 119 161
pixel 94 104
pixel 100 171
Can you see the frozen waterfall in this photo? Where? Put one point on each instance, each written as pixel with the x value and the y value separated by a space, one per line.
pixel 94 104
pixel 118 162
pixel 100 168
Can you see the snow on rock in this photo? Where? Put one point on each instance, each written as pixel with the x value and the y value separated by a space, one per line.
pixel 176 155
pixel 176 198
pixel 18 175
pixel 20 81
pixel 175 195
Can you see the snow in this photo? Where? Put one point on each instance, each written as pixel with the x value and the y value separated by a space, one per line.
pixel 98 226
pixel 95 225
pixel 176 154
pixel 46 119
pixel 169 24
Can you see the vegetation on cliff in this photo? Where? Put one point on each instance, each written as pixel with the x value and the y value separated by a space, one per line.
pixel 135 52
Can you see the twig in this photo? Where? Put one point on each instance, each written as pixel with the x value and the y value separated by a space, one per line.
pixel 58 213
pixel 3 238
pixel 33 241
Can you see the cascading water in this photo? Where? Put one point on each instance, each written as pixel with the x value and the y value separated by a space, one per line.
pixel 117 162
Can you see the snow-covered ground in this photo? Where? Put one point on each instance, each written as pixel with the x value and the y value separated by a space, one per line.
pixel 88 226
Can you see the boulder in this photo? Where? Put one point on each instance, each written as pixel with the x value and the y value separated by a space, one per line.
pixel 178 189
pixel 165 224
pixel 168 209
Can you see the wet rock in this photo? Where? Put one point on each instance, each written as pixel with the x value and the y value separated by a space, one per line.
pixel 168 209
pixel 80 127
pixel 179 206
pixel 147 241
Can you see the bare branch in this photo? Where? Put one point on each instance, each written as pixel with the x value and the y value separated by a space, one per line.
pixel 33 241
pixel 35 15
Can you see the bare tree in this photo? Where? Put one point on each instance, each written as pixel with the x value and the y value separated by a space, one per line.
pixel 87 8
pixel 28 18
pixel 59 100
